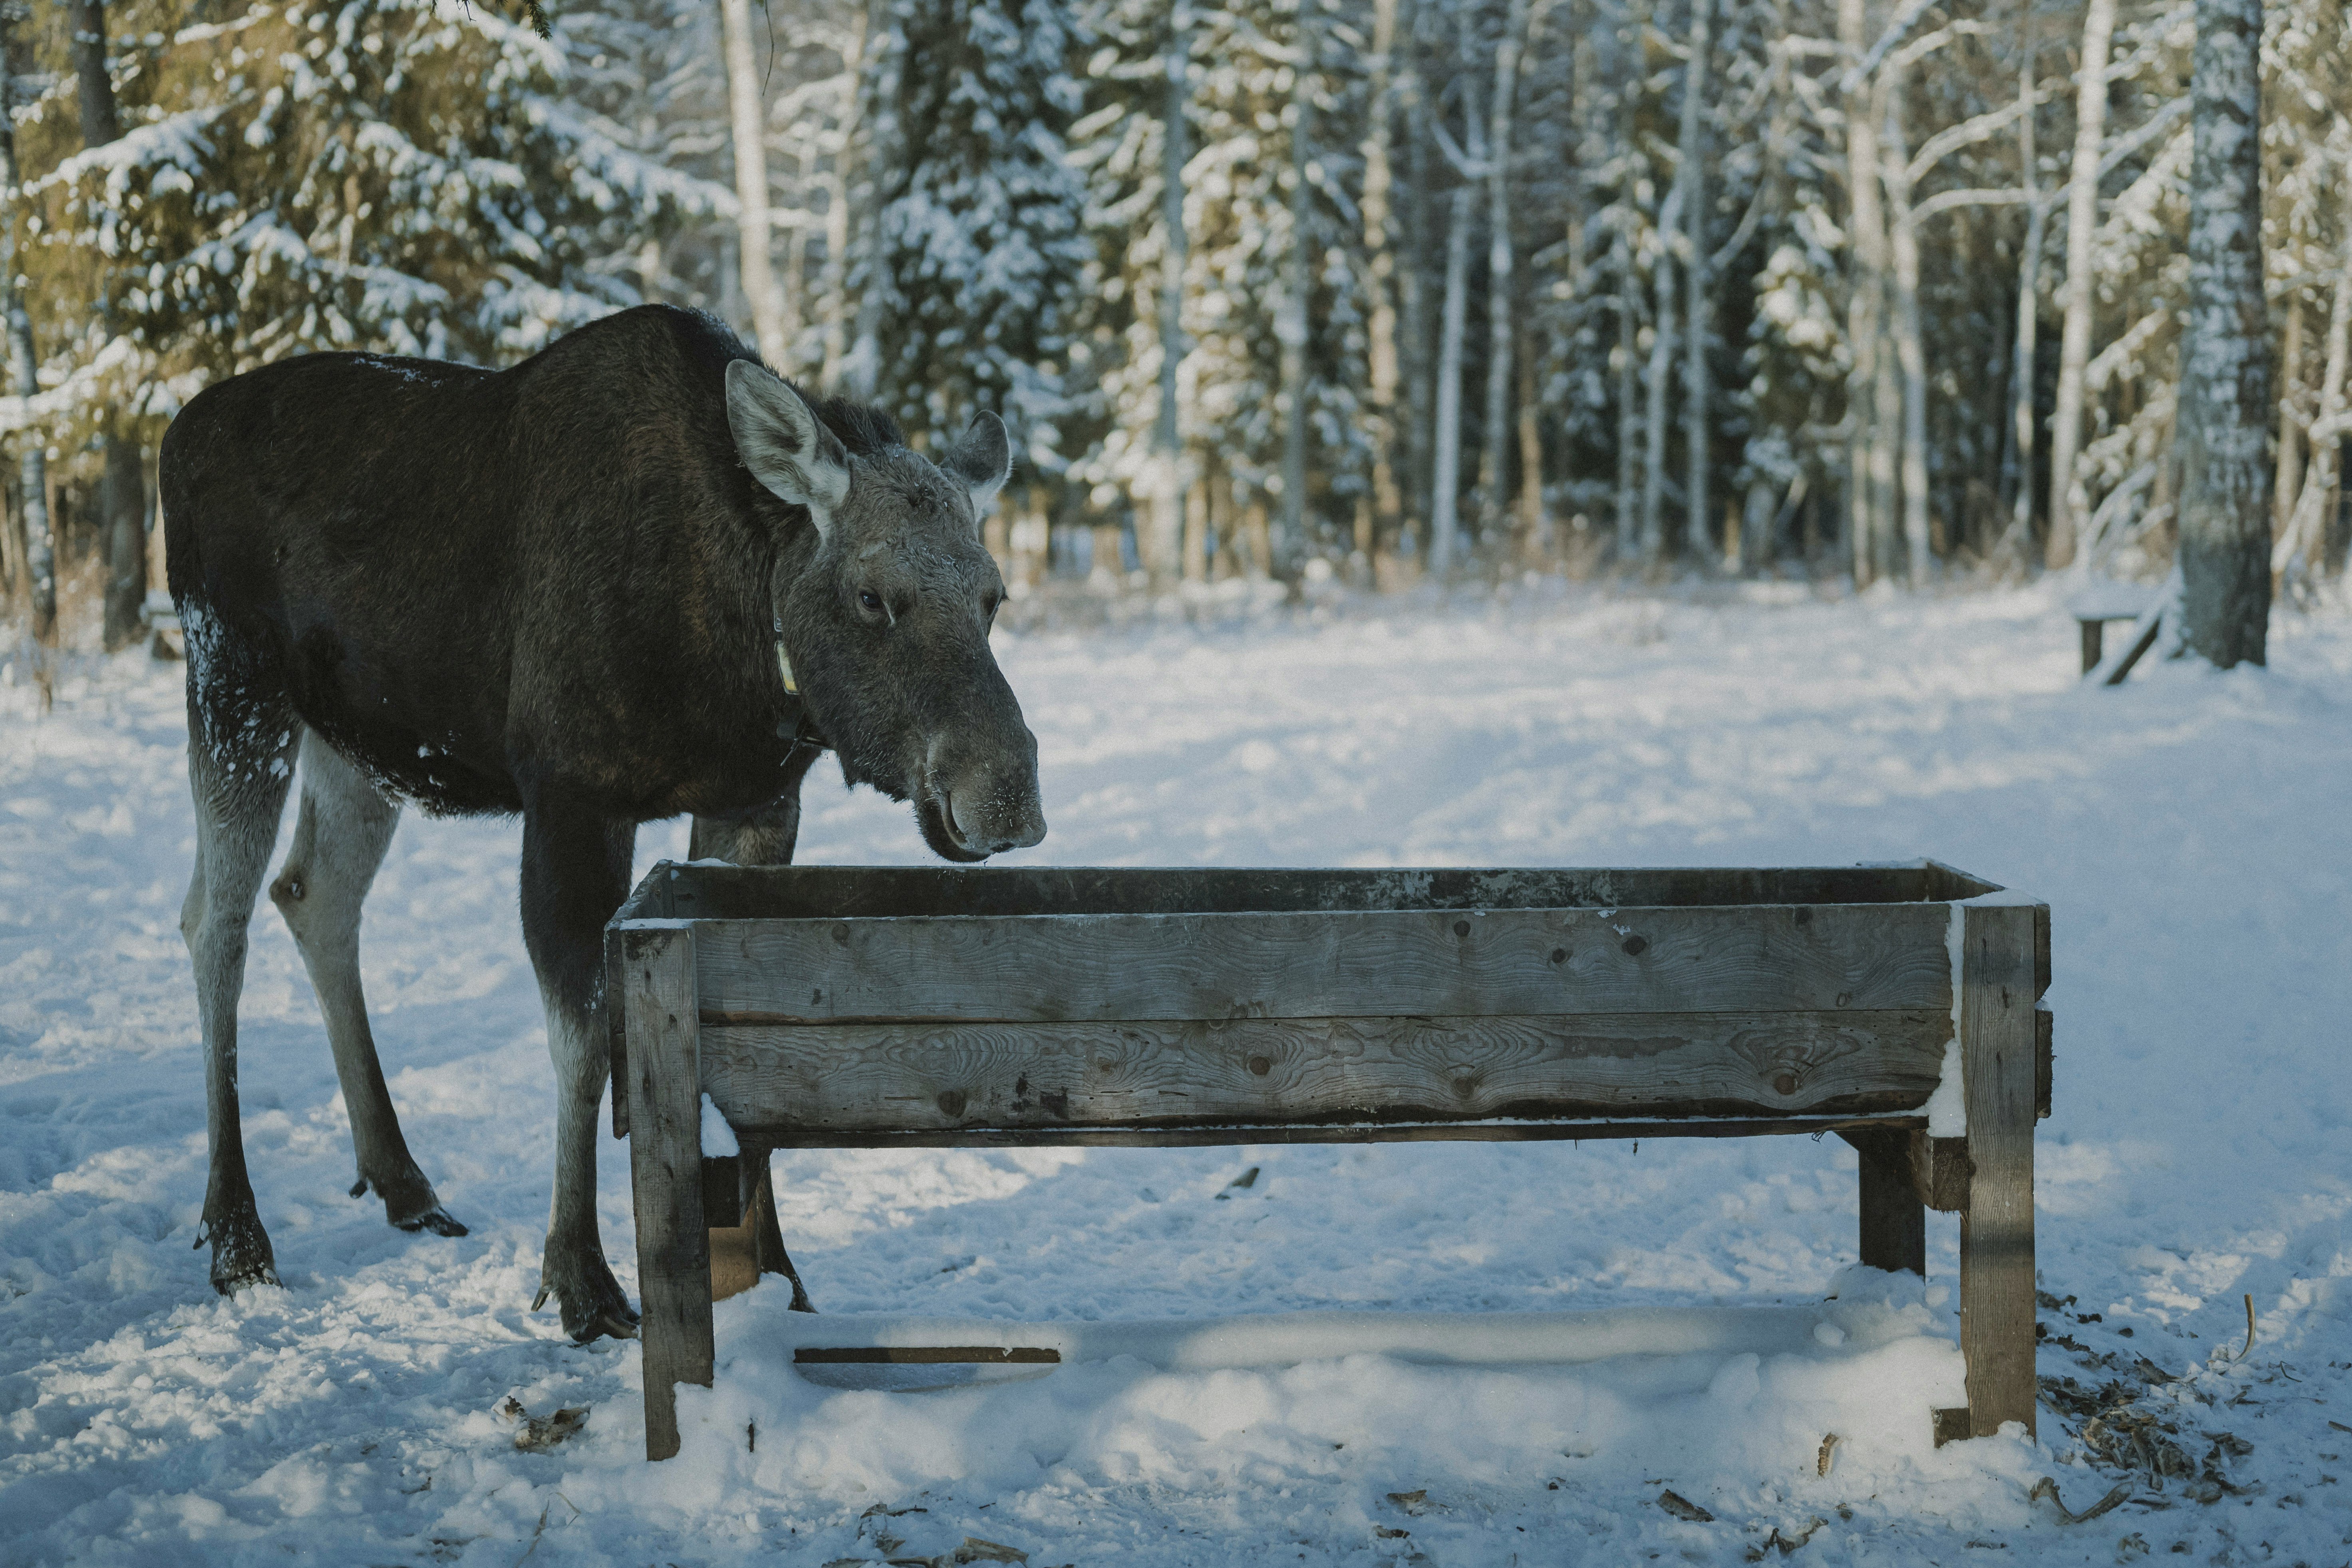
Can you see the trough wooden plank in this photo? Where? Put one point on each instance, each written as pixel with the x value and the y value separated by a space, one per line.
pixel 1232 1134
pixel 666 1175
pixel 1427 964
pixel 616 1029
pixel 649 900
pixel 849 1078
pixel 709 891
pixel 1998 1066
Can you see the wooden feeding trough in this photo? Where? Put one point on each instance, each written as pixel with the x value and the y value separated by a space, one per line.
pixel 832 1008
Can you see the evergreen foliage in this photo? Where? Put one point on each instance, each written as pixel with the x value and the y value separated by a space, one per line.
pixel 972 239
pixel 1865 211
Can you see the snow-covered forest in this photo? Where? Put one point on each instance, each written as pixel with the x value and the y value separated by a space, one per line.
pixel 1360 288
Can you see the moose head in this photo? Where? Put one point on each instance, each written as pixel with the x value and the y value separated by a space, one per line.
pixel 885 627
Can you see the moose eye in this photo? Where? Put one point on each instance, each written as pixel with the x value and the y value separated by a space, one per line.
pixel 871 600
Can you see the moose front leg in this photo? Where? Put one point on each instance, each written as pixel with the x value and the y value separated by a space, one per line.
pixel 575 872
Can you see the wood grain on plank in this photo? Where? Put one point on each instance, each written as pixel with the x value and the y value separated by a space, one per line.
pixel 1999 1069
pixel 849 1078
pixel 1427 964
pixel 704 891
pixel 666 1175
pixel 1939 1172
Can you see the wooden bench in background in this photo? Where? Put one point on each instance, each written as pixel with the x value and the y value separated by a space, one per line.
pixel 857 1007
pixel 2099 602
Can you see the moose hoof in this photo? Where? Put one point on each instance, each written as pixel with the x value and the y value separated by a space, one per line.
pixel 436 1219
pixel 241 1254
pixel 586 1294
pixel 409 1204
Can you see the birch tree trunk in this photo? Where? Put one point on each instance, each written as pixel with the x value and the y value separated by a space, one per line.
pixel 1662 362
pixel 1531 500
pixel 1495 444
pixel 122 490
pixel 1698 386
pixel 1629 401
pixel 836 211
pixel 2305 537
pixel 1416 351
pixel 2067 505
pixel 1160 550
pixel 1447 465
pixel 748 121
pixel 1290 320
pixel 1865 296
pixel 2225 383
pixel 874 147
pixel 1885 446
pixel 2288 484
pixel 794 287
pixel 1388 505
pixel 2022 369
pixel 1910 351
pixel 1629 302
pixel 32 461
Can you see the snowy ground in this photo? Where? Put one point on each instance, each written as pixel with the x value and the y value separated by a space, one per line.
pixel 2193 832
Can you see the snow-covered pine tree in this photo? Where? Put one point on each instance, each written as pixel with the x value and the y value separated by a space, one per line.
pixel 1245 105
pixel 647 75
pixel 969 244
pixel 1130 343
pixel 324 175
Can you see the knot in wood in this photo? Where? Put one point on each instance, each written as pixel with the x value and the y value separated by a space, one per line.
pixel 1560 955
pixel 1784 1082
pixel 841 934
pixel 1461 928
pixel 1636 945
pixel 951 1103
pixel 1260 1065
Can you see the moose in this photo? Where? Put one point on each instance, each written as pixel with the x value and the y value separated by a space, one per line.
pixel 634 576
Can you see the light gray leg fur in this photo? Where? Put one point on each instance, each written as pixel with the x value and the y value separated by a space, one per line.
pixel 240 759
pixel 339 840
pixel 573 1266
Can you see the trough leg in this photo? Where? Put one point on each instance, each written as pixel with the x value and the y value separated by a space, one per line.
pixel 665 1091
pixel 1894 1220
pixel 1998 1064
pixel 763 838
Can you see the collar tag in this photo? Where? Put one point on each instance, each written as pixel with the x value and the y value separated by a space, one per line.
pixel 784 665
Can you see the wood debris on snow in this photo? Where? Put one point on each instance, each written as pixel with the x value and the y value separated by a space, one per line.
pixel 537 1433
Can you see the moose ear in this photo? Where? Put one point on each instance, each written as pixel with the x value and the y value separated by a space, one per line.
pixel 982 459
pixel 783 445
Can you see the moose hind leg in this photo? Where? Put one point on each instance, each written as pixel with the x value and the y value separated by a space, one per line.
pixel 339 840
pixel 240 755
pixel 575 872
